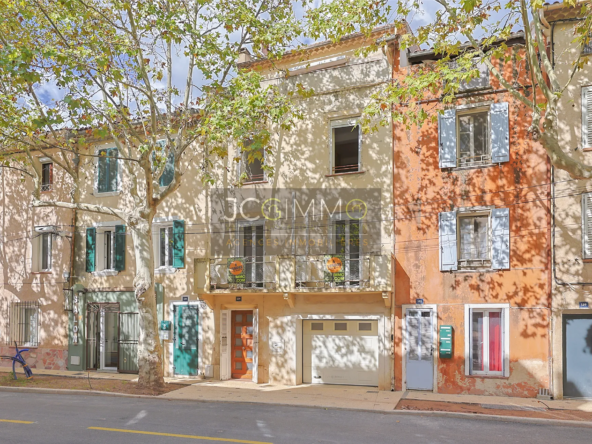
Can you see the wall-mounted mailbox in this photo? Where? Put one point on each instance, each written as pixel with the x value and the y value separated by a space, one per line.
pixel 445 341
pixel 165 325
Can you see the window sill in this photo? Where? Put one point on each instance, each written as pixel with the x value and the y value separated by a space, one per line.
pixel 344 174
pixel 476 270
pixel 473 167
pixel 587 261
pixel 255 182
pixel 41 272
pixel 587 149
pixel 104 273
pixel 165 270
pixel 488 376
pixel 107 193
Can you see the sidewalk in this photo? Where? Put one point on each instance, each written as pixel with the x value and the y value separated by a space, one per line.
pixel 351 397
pixel 325 396
pixel 97 375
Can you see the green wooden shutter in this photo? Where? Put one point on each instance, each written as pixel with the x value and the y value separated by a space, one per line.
pixel 91 249
pixel 178 244
pixel 169 171
pixel 119 247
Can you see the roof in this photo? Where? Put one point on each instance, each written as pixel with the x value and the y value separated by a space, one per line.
pixel 559 11
pixel 379 31
pixel 430 54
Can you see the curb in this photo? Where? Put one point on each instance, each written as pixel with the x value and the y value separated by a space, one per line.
pixel 457 415
pixel 500 418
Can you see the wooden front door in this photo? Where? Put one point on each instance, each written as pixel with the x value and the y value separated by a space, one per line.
pixel 242 345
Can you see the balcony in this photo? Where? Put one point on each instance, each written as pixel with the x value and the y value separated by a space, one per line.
pixel 295 274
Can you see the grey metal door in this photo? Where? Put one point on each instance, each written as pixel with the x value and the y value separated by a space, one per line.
pixel 420 353
pixel 577 356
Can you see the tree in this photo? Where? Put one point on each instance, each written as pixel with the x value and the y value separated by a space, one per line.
pixel 115 64
pixel 485 25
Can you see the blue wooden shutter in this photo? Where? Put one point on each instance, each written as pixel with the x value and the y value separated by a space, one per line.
pixel 119 247
pixel 448 250
pixel 587 116
pixel 500 238
pixel 500 133
pixel 447 138
pixel 91 244
pixel 178 244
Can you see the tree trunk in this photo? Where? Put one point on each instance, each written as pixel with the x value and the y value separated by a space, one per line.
pixel 150 361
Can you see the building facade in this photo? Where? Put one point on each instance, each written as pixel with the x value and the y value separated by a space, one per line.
pixel 572 211
pixel 471 210
pixel 35 262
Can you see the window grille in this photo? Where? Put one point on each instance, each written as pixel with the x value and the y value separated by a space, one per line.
pixel 587 47
pixel 24 324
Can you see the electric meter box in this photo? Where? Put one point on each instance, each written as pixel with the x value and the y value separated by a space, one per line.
pixel 445 350
pixel 165 330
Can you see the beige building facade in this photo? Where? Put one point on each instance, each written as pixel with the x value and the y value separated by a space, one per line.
pixel 35 265
pixel 571 330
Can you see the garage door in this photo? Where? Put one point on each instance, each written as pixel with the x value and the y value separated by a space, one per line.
pixel 340 352
pixel 577 347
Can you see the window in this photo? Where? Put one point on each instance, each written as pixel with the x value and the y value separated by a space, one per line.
pixel 24 317
pixel 587 117
pixel 251 248
pixel 169 245
pixel 474 135
pixel 42 248
pixel 166 247
pixel 474 239
pixel 46 176
pixel 107 176
pixel 473 139
pixel 487 343
pixel 105 249
pixel 346 139
pixel 168 172
pixel 347 241
pixel 253 166
pixel 587 47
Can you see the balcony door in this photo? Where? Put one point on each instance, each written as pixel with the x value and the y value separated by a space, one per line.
pixel 346 241
pixel 251 248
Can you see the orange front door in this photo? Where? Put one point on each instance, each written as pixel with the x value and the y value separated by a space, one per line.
pixel 242 345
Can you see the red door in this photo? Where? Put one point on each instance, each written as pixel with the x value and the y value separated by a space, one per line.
pixel 242 345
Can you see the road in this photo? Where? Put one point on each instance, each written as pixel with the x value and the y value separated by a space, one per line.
pixel 61 419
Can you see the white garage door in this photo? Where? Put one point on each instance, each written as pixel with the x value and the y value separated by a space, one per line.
pixel 340 352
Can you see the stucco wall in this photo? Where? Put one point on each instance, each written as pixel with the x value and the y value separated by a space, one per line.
pixel 18 282
pixel 571 270
pixel 422 190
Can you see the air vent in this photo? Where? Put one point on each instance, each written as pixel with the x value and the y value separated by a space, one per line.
pixel 341 326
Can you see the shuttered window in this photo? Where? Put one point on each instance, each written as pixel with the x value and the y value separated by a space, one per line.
pixel 107 175
pixel 91 246
pixel 587 117
pixel 472 240
pixel 587 226
pixel 473 137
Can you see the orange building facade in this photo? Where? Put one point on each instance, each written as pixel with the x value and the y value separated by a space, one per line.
pixel 472 248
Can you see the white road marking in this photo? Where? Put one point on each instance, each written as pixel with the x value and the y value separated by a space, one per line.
pixel 264 429
pixel 137 418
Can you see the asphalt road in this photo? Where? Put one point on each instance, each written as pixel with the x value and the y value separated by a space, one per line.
pixel 62 419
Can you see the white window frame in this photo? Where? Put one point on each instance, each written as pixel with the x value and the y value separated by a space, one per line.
pixel 239 251
pixel 119 174
pixel 100 266
pixel 468 112
pixel 342 123
pixel 162 223
pixel 466 214
pixel 333 232
pixel 505 317
pixel 38 239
